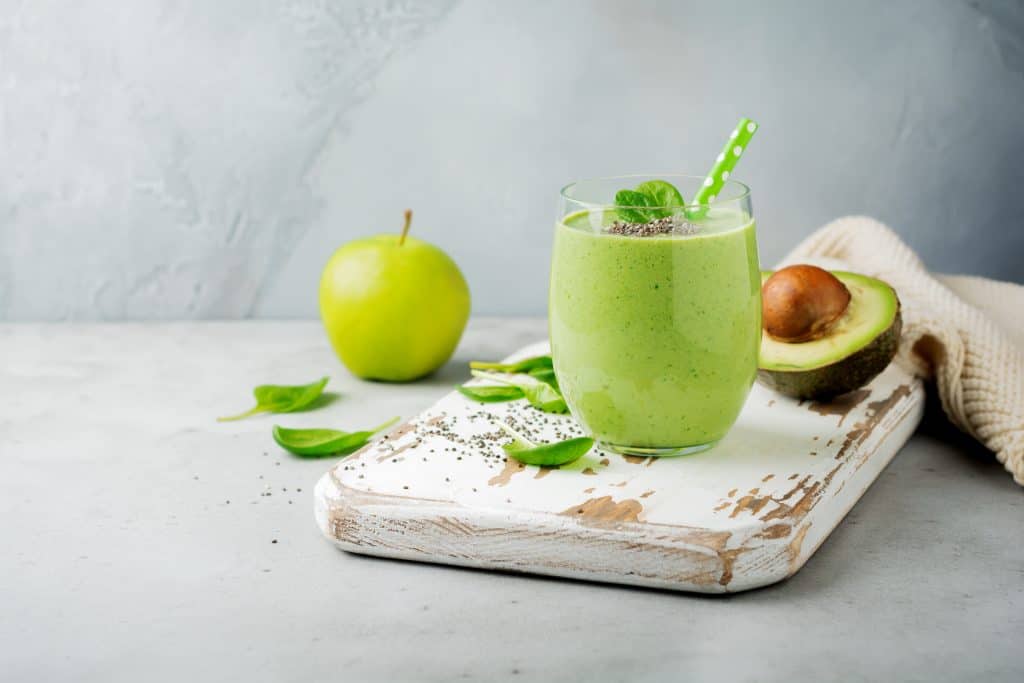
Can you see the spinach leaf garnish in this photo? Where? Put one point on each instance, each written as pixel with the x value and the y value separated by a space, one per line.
pixel 649 201
pixel 631 206
pixel 663 195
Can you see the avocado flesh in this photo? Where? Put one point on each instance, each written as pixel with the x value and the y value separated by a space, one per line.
pixel 855 349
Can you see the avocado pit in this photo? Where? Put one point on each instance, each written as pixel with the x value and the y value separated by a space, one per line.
pixel 801 302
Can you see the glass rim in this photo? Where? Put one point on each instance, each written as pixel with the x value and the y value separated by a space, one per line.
pixel 744 191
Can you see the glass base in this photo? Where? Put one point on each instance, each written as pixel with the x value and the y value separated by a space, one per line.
pixel 655 452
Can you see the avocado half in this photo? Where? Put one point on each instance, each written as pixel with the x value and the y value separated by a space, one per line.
pixel 856 347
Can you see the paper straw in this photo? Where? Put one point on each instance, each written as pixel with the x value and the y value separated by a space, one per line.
pixel 730 155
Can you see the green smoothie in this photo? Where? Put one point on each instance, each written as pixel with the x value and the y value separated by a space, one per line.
pixel 655 339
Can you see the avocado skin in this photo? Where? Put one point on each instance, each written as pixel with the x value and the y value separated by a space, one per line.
pixel 842 376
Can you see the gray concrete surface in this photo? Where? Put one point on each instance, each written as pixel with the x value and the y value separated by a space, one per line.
pixel 168 160
pixel 124 561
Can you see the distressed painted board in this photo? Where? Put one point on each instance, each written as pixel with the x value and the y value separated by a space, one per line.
pixel 747 513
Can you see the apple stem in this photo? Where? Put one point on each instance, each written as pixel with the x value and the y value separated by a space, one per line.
pixel 405 228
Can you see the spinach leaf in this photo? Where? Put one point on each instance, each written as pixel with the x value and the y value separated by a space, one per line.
pixel 525 365
pixel 276 398
pixel 663 195
pixel 546 454
pixel 546 375
pixel 649 201
pixel 319 443
pixel 540 395
pixel 631 206
pixel 491 394
pixel 544 397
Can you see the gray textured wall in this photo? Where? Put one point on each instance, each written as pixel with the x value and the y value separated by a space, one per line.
pixel 164 159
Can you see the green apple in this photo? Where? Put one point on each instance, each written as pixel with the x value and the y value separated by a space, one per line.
pixel 394 306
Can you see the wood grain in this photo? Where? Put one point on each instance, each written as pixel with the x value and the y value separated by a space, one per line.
pixel 748 513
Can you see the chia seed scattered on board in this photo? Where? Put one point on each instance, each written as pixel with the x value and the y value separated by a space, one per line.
pixel 445 435
pixel 670 225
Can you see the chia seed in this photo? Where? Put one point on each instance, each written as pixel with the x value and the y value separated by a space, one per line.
pixel 670 225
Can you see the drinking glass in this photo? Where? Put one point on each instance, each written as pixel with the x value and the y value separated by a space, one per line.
pixel 655 338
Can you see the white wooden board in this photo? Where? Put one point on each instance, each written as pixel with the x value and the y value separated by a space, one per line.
pixel 747 513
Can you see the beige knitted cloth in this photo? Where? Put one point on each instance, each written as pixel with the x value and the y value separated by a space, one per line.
pixel 965 332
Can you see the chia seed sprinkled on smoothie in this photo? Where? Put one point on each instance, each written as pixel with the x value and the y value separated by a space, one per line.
pixel 671 225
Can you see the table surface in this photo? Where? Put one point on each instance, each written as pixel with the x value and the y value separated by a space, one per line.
pixel 146 541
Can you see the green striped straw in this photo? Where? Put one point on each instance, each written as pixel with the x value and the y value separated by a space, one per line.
pixel 727 159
